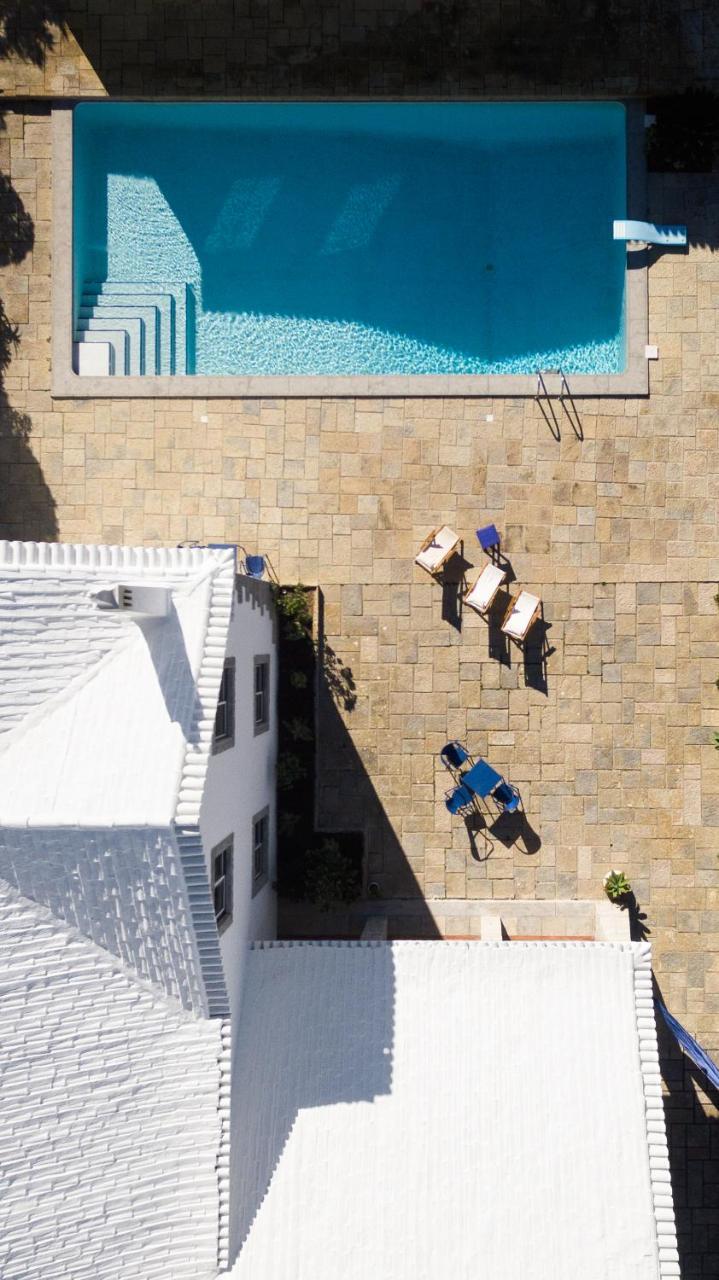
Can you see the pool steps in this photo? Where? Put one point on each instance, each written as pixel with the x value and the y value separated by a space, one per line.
pixel 153 318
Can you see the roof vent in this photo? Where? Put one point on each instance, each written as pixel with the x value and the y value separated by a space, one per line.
pixel 139 601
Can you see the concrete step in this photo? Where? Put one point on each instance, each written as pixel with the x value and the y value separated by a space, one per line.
pixel 119 344
pixel 156 342
pixel 132 326
pixel 173 301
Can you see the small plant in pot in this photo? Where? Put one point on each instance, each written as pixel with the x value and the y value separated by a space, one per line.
pixel 616 885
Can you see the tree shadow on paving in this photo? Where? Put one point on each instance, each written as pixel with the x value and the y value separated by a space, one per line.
pixel 437 47
pixel 27 507
pixel 29 28
pixel 693 1138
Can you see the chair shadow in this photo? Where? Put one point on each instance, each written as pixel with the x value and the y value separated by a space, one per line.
pixel 515 829
pixel 477 825
pixel 537 651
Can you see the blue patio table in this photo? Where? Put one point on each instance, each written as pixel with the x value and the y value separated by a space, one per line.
pixel 481 779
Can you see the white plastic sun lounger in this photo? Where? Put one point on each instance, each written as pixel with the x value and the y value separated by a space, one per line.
pixel 437 549
pixel 522 613
pixel 649 233
pixel 481 595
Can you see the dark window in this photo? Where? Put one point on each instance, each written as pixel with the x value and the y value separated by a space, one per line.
pixel 225 714
pixel 261 707
pixel 222 882
pixel 260 849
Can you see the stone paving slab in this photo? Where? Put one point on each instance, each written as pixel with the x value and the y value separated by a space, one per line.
pixel 616 532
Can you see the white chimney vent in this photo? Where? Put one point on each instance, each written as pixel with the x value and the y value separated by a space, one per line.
pixel 140 601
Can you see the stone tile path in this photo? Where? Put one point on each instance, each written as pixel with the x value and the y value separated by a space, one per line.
pixel 616 531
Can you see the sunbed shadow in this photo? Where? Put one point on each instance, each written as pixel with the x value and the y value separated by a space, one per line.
pixel 499 646
pixel 537 652
pixel 454 584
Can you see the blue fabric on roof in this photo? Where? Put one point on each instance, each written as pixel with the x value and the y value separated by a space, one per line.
pixel 694 1051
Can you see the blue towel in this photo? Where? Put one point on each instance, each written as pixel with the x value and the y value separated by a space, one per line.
pixel 693 1050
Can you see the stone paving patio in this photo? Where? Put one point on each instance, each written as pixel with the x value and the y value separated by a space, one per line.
pixel 612 745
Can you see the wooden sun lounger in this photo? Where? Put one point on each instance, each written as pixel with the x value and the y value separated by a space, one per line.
pixel 438 547
pixel 482 595
pixel 521 614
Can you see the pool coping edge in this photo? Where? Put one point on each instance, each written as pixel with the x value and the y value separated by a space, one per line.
pixel 66 384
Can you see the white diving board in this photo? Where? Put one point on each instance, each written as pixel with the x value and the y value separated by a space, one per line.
pixel 650 233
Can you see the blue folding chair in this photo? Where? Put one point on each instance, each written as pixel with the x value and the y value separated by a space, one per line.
pixel 460 800
pixel 506 797
pixel 453 756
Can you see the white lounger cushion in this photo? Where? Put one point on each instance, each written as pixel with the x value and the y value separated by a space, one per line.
pixel 444 541
pixel 518 622
pixel 486 587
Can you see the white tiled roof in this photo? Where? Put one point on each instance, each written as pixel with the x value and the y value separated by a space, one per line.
pixel 99 715
pixel 110 1130
pixel 474 1110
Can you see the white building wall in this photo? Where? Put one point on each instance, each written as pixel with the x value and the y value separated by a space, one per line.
pixel 241 783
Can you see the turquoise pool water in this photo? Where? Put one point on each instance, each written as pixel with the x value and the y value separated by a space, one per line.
pixel 397 238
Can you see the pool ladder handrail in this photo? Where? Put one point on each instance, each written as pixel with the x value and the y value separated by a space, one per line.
pixel 564 395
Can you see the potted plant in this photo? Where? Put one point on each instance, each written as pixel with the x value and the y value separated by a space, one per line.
pixel 616 885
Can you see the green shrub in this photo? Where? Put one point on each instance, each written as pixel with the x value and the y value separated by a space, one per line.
pixel 290 771
pixel 330 876
pixel 298 680
pixel 616 885
pixel 293 607
pixel 299 730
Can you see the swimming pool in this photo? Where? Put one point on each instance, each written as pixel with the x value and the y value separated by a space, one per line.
pixel 350 240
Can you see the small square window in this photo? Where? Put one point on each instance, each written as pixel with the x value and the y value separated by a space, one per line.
pixel 222 882
pixel 224 736
pixel 261 694
pixel 260 849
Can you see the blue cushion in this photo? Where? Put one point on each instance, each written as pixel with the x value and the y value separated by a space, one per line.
pixel 458 798
pixel 488 537
pixel 453 754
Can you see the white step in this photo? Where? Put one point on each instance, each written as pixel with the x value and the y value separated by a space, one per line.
pixel 118 342
pixel 94 359
pixel 177 298
pixel 135 330
pixel 162 307
pixel 122 311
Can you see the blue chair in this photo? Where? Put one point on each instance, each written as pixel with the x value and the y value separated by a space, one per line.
pixel 453 755
pixel 506 797
pixel 255 566
pixel 460 800
pixel 488 538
